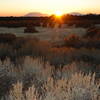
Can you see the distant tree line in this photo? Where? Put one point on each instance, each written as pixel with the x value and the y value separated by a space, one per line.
pixel 82 20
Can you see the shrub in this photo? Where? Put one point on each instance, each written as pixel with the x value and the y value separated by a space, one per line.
pixel 73 41
pixel 7 38
pixel 17 93
pixel 93 32
pixel 6 51
pixel 30 29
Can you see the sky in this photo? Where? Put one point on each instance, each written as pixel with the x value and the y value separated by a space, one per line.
pixel 22 7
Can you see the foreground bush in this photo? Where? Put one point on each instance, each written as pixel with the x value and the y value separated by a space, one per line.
pixel 78 87
pixel 47 82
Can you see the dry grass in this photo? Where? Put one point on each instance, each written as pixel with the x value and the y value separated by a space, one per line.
pixel 46 33
pixel 78 87
pixel 34 81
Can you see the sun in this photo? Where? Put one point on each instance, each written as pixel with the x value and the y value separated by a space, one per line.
pixel 58 13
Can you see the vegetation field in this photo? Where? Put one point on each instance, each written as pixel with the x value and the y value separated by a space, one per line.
pixel 45 62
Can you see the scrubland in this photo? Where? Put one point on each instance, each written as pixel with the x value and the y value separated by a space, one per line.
pixel 53 64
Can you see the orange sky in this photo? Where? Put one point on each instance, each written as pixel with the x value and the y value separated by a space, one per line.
pixel 22 7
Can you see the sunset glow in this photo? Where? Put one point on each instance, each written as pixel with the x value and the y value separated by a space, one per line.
pixel 58 13
pixel 22 7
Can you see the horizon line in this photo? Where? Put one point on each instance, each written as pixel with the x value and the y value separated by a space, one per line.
pixel 72 13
